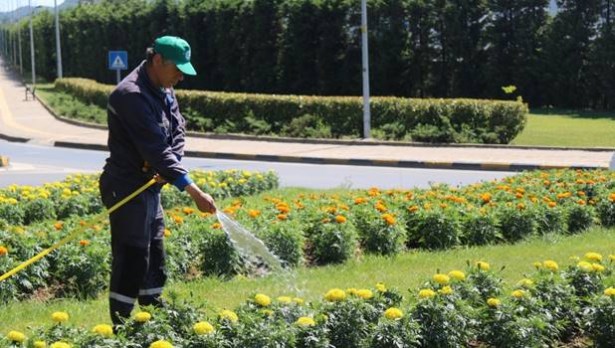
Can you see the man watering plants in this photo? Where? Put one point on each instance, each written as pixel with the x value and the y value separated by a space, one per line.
pixel 146 140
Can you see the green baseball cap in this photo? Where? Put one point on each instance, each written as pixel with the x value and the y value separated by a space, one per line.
pixel 176 50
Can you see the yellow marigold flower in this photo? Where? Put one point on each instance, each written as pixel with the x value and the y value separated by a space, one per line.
pixel 167 232
pixel 284 299
pixel 305 322
pixel 298 300
pixel 551 265
pixel 597 267
pixel 457 275
pixel 253 213
pixel 609 291
pixel 393 313
pixel 381 207
pixel 526 283
pixel 40 344
pixel 381 287
pixel 365 294
pixel 335 295
pixel 426 293
pixel 142 317
pixel 413 208
pixel 441 279
pixel 84 242
pixel 161 344
pixel 585 266
pixel 493 302
pixel 103 330
pixel 537 265
pixel 16 336
pixel 262 300
pixel 58 225
pixel 203 328
pixel 612 257
pixel 351 291
pixel 282 217
pixel 593 256
pixel 216 226
pixel 59 345
pixel 389 219
pixel 447 290
pixel 518 294
pixel 59 317
pixel 229 315
pixel 483 266
pixel 551 204
pixel 188 210
pixel 178 219
pixel 486 197
pixel 359 200
pixel 3 250
pixel 340 219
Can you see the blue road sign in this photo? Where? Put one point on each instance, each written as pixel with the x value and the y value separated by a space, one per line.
pixel 118 60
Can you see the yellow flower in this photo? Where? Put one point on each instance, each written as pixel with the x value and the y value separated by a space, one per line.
pixel 612 257
pixel 103 330
pixel 335 295
pixel 59 345
pixel 447 290
pixel 526 283
pixel 593 256
pixel 3 250
pixel 59 317
pixel 229 315
pixel 167 232
pixel 551 265
pixel 351 291
pixel 298 300
pixel 142 317
pixel 284 299
pixel 609 292
pixel 427 293
pixel 441 279
pixel 457 275
pixel 493 302
pixel 393 313
pixel 537 265
pixel 389 219
pixel 40 344
pixel 365 294
pixel 203 328
pixel 16 336
pixel 262 300
pixel 518 294
pixel 340 219
pixel 597 267
pixel 585 266
pixel 483 266
pixel 381 287
pixel 161 344
pixel 305 322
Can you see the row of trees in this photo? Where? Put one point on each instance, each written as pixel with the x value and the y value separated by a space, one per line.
pixel 418 48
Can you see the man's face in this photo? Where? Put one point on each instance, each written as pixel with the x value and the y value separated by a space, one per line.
pixel 168 74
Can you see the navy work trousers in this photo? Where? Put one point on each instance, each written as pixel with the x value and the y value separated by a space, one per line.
pixel 138 257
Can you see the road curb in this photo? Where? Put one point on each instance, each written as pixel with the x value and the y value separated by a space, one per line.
pixel 4 161
pixel 13 139
pixel 488 166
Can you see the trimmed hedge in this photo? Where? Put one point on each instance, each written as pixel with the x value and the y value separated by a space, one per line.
pixel 426 120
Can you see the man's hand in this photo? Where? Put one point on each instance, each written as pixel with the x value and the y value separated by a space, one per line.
pixel 159 179
pixel 203 201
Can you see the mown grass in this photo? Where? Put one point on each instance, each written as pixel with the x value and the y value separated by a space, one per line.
pixel 406 271
pixel 66 105
pixel 568 128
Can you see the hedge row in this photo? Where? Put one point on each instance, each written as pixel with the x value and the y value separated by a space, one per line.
pixel 425 120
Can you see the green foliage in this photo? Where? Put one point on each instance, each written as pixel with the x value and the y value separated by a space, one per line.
pixel 601 325
pixel 480 229
pixel 332 242
pixel 306 126
pixel 517 223
pixel 379 233
pixel 285 240
pixel 437 230
pixel 38 210
pixel 580 217
pixel 219 257
pixel 443 322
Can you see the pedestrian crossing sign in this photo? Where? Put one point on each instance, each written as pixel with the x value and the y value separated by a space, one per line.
pixel 118 60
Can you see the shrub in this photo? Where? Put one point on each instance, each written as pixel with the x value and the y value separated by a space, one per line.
pixel 285 239
pixel 516 223
pixel 480 229
pixel 437 229
pixel 601 323
pixel 580 217
pixel 38 210
pixel 332 242
pixel 379 233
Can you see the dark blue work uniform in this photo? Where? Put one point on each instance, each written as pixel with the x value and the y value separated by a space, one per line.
pixel 146 136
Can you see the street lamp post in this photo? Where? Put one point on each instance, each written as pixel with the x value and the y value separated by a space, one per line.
pixel 365 61
pixel 32 48
pixel 58 47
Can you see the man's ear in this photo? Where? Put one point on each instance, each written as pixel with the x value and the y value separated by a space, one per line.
pixel 157 59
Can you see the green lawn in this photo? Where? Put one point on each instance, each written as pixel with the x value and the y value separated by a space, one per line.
pixel 406 271
pixel 566 128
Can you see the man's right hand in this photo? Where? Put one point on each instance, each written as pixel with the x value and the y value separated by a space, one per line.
pixel 203 201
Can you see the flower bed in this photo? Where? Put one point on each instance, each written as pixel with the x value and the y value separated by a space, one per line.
pixel 467 307
pixel 322 228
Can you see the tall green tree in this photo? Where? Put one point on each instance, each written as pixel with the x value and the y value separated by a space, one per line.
pixel 602 60
pixel 515 45
pixel 570 37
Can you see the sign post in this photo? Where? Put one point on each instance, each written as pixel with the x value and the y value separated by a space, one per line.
pixel 118 60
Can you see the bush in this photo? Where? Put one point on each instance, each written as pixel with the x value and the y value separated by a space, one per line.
pixel 601 325
pixel 517 223
pixel 379 233
pixel 219 256
pixel 437 229
pixel 332 242
pixel 580 217
pixel 38 210
pixel 480 229
pixel 285 239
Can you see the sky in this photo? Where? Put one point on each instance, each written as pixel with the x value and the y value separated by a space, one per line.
pixel 9 5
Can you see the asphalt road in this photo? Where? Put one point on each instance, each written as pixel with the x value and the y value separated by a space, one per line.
pixel 36 164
